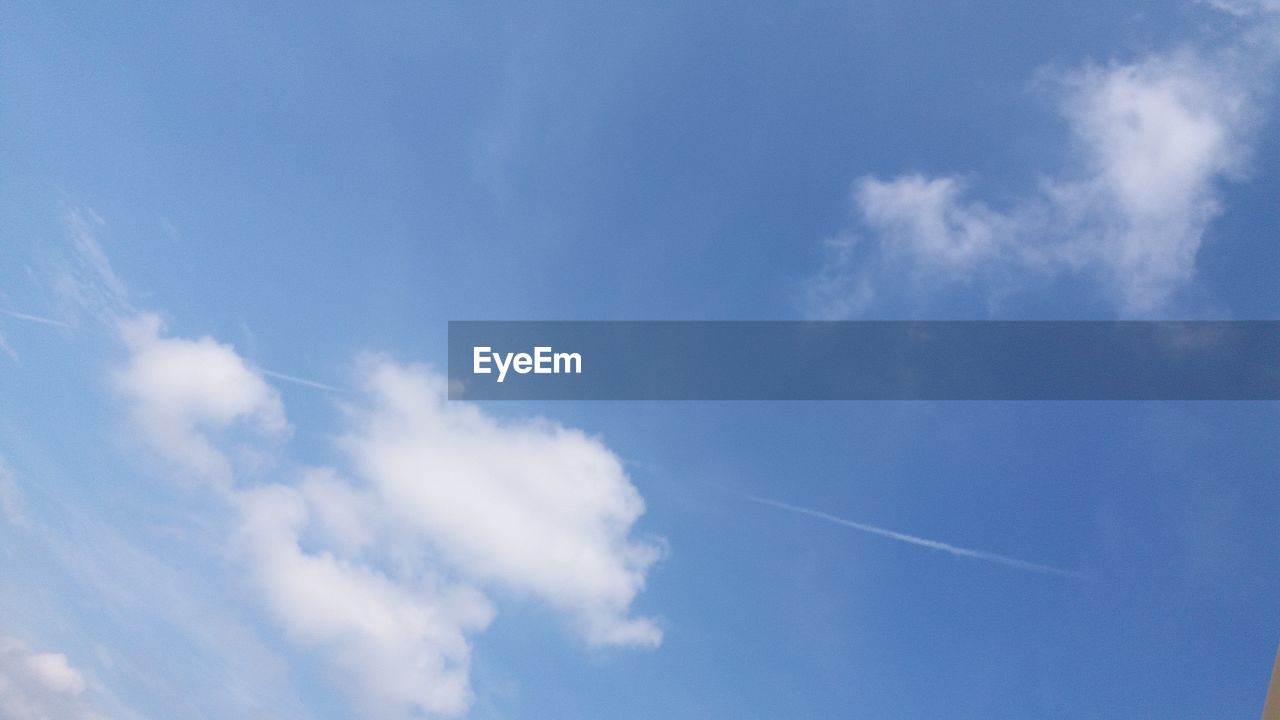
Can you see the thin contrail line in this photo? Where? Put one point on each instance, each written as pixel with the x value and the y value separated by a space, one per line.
pixel 925 542
pixel 33 318
pixel 298 380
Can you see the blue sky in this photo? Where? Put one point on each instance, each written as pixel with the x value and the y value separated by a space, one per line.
pixel 230 239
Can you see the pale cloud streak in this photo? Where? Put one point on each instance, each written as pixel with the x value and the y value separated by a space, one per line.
pixel 8 350
pixel 1245 8
pixel 85 281
pixel 298 380
pixel 34 318
pixel 11 498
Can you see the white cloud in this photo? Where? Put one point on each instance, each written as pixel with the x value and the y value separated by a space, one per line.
pixel 1158 135
pixel 531 505
pixel 40 685
pixel 1154 140
pixel 924 218
pixel 401 642
pixel 385 574
pixel 382 571
pixel 346 517
pixel 181 390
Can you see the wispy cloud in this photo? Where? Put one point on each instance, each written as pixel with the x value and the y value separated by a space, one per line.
pixel 11 498
pixel 926 542
pixel 84 281
pixel 7 350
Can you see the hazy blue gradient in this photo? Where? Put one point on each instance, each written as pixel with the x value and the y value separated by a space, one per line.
pixel 310 182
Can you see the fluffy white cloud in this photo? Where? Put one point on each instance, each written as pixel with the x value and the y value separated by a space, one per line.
pixel 1157 136
pixel 530 505
pixel 182 391
pixel 1153 138
pixel 40 685
pixel 400 642
pixel 384 573
pixel 344 516
pixel 449 501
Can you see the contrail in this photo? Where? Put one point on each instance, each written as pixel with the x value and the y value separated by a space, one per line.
pixel 925 542
pixel 34 318
pixel 298 380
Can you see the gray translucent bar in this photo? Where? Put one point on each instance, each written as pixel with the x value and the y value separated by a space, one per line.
pixel 895 360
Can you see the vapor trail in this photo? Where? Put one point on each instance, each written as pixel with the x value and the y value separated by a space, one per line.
pixel 925 542
pixel 33 318
pixel 298 380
